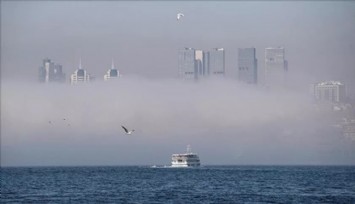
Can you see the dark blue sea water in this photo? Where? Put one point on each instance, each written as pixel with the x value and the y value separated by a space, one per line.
pixel 211 184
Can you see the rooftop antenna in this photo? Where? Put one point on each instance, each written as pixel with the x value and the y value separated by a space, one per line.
pixel 112 66
pixel 80 63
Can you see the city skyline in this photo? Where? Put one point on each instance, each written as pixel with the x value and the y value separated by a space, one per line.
pixel 225 120
pixel 324 28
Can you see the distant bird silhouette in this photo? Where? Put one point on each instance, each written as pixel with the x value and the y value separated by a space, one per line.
pixel 179 15
pixel 126 130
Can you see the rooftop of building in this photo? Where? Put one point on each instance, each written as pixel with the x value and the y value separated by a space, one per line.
pixel 329 83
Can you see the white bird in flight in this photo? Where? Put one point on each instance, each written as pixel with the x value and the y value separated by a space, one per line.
pixel 179 15
pixel 127 132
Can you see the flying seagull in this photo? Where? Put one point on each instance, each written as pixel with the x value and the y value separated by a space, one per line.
pixel 179 15
pixel 127 132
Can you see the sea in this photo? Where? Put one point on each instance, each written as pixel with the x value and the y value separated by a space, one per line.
pixel 208 184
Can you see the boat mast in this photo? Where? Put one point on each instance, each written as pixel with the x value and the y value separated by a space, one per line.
pixel 188 150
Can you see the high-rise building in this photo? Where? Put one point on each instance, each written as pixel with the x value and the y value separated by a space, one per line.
pixel 80 75
pixel 275 67
pixel 201 63
pixel 194 64
pixel 111 73
pixel 50 72
pixel 216 62
pixel 332 91
pixel 247 65
pixel 187 64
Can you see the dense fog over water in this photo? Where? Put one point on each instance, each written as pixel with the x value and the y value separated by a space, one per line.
pixel 224 121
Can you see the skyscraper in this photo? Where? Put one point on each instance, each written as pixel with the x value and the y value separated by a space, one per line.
pixel 111 73
pixel 200 63
pixel 80 75
pixel 247 65
pixel 194 64
pixel 187 64
pixel 216 62
pixel 275 67
pixel 50 72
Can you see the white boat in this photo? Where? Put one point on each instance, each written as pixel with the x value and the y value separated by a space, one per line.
pixel 187 159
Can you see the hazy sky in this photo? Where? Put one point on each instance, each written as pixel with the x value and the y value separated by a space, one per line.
pixel 144 37
pixel 224 121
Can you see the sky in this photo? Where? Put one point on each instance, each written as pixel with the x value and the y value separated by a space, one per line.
pixel 224 121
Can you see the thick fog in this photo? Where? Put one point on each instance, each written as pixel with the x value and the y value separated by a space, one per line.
pixel 224 122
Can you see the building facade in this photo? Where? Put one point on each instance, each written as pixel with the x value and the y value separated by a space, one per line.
pixel 187 64
pixel 276 67
pixel 50 72
pixel 80 76
pixel 195 64
pixel 331 91
pixel 216 62
pixel 112 73
pixel 247 65
pixel 201 58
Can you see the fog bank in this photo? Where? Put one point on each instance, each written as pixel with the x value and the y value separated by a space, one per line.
pixel 225 123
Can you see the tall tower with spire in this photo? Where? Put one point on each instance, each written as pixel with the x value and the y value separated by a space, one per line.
pixel 80 75
pixel 111 73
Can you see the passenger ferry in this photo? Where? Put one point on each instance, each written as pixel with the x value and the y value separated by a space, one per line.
pixel 187 159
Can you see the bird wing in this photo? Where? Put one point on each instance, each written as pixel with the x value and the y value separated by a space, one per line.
pixel 125 129
pixel 179 15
